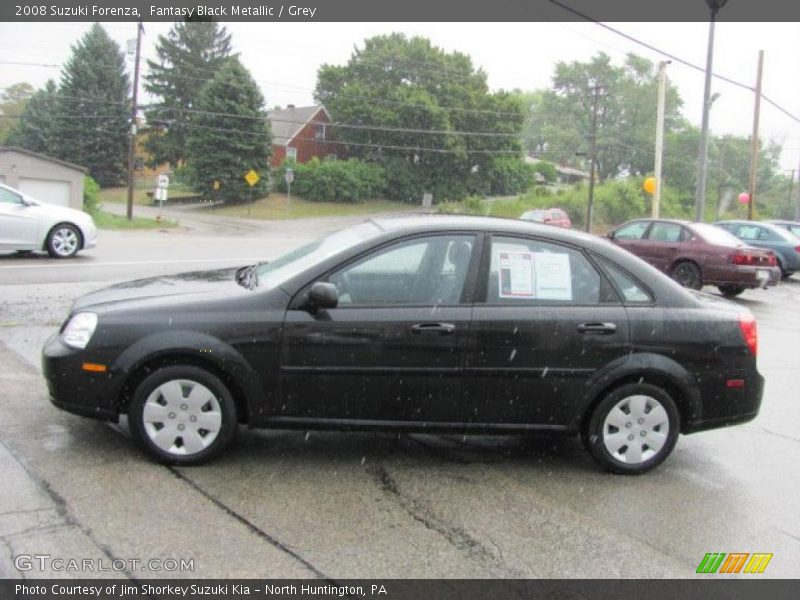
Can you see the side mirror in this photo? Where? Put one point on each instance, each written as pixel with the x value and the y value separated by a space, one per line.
pixel 323 295
pixel 610 235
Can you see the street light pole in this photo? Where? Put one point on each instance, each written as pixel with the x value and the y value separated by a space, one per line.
pixel 751 186
pixel 662 85
pixel 702 160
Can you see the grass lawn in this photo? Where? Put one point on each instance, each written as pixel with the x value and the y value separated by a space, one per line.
pixel 105 220
pixel 119 195
pixel 274 207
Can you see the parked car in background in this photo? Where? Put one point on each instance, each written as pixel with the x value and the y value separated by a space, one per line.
pixel 27 224
pixel 792 226
pixel 781 241
pixel 433 324
pixel 549 216
pixel 698 254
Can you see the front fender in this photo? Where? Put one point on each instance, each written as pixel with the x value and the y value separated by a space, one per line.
pixel 199 346
pixel 650 367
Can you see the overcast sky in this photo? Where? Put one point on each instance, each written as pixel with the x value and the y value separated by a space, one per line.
pixel 284 58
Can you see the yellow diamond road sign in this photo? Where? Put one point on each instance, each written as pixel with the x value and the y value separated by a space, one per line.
pixel 252 177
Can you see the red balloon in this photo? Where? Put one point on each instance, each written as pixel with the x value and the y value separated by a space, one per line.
pixel 744 197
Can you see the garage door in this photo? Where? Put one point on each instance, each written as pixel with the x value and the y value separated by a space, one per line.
pixel 52 192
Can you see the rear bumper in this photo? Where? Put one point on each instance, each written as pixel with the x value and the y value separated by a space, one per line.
pixel 731 406
pixel 749 277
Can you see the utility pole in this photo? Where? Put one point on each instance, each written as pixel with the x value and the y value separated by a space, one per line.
pixel 791 188
pixel 134 109
pixel 797 201
pixel 751 188
pixel 702 159
pixel 593 162
pixel 662 86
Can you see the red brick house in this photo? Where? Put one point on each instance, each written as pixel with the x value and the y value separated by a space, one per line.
pixel 301 132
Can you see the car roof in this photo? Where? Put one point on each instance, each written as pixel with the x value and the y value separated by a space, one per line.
pixel 435 222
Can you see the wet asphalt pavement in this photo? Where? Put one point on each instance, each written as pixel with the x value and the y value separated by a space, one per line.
pixel 346 505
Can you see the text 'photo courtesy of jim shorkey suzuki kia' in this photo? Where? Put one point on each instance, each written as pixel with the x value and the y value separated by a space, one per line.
pixel 428 323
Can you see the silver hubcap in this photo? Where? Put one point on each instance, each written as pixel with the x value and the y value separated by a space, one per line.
pixel 65 241
pixel 636 429
pixel 182 417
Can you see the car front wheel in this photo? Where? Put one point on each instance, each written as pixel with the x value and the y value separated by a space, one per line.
pixel 182 415
pixel 633 429
pixel 63 241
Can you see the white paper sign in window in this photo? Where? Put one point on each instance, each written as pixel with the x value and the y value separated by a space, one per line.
pixel 553 276
pixel 517 275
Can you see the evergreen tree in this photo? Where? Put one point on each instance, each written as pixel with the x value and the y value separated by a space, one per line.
pixel 12 105
pixel 93 108
pixel 229 135
pixel 188 56
pixel 36 129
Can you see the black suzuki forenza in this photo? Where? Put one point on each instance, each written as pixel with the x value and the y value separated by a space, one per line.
pixel 425 323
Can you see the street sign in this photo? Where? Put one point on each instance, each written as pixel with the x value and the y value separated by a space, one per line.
pixel 252 177
pixel 163 180
pixel 289 176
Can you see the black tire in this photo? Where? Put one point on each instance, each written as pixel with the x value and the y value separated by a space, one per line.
pixel 598 430
pixel 172 385
pixel 64 241
pixel 688 275
pixel 730 291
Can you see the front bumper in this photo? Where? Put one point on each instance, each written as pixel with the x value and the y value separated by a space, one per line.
pixel 74 390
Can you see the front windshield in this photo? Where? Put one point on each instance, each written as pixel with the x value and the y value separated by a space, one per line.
pixel 290 264
pixel 716 235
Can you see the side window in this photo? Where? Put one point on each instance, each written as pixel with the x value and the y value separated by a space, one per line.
pixel 632 292
pixel 291 152
pixel 665 232
pixel 748 232
pixel 9 197
pixel 420 271
pixel 633 231
pixel 526 271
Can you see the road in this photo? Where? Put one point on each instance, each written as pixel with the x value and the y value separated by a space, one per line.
pixel 348 505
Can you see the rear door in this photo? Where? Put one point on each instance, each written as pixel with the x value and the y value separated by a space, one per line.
pixel 545 320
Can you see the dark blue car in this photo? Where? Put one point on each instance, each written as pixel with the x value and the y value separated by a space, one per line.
pixel 781 241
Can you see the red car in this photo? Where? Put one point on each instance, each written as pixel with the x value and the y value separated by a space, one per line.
pixel 550 216
pixel 698 254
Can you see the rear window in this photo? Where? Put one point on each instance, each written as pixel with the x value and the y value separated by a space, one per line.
pixel 714 235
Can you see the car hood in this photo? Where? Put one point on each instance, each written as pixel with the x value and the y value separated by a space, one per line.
pixel 61 212
pixel 168 287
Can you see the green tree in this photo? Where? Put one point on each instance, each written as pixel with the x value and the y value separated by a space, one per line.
pixel 412 102
pixel 229 134
pixel 188 56
pixel 12 105
pixel 92 108
pixel 559 120
pixel 36 129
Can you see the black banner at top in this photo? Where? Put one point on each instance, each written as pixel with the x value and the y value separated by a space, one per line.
pixel 406 10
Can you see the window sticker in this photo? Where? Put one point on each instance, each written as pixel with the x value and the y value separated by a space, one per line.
pixel 517 275
pixel 553 279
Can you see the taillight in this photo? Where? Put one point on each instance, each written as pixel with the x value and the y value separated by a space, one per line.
pixel 747 323
pixel 742 257
pixel 797 249
pixel 773 260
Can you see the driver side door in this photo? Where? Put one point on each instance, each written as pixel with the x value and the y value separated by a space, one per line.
pixel 393 349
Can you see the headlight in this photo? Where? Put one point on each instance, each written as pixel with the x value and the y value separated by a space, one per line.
pixel 79 330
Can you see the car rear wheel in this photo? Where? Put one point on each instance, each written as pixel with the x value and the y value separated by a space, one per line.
pixel 729 291
pixel 633 429
pixel 688 275
pixel 63 241
pixel 182 415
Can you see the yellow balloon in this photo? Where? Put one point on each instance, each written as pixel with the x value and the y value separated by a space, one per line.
pixel 650 185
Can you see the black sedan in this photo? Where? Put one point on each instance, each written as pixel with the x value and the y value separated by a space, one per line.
pixel 414 323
